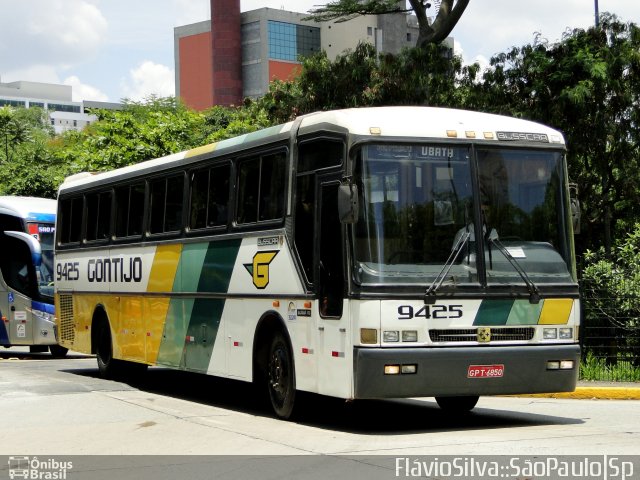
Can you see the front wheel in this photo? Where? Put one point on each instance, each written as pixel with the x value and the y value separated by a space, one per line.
pixel 457 404
pixel 281 377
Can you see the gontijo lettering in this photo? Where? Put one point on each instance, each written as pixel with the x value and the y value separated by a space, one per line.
pixel 115 269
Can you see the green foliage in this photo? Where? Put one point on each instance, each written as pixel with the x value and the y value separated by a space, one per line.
pixel 588 86
pixel 593 368
pixel 24 156
pixel 611 289
pixel 362 77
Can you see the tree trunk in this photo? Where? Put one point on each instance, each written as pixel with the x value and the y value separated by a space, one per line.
pixel 445 21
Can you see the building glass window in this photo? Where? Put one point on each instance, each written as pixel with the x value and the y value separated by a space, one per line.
pixel 288 41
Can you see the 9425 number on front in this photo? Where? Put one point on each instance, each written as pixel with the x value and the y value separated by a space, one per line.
pixel 408 312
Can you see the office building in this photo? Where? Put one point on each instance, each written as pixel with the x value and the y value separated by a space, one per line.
pixel 56 100
pixel 236 55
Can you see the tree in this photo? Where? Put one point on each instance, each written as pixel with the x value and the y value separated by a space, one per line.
pixel 446 19
pixel 588 86
pixel 13 132
pixel 362 77
pixel 24 153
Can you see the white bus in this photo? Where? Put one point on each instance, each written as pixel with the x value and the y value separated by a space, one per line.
pixel 363 253
pixel 27 230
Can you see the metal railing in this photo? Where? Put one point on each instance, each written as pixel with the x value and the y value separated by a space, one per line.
pixel 610 334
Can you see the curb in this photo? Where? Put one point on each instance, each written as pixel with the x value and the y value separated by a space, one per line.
pixel 590 393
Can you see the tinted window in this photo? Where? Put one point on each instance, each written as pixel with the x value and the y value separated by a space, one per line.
pixel 129 210
pixel 261 188
pixel 319 154
pixel 71 220
pixel 98 216
pixel 209 197
pixel 166 204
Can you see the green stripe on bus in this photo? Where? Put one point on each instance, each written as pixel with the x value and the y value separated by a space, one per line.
pixel 493 312
pixel 176 325
pixel 218 266
pixel 202 333
pixel 524 313
pixel 215 275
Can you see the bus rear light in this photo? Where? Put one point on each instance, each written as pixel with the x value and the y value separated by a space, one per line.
pixel 368 336
pixel 390 336
pixel 409 335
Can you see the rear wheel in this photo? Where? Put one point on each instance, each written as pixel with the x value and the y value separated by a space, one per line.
pixel 107 366
pixel 457 404
pixel 281 377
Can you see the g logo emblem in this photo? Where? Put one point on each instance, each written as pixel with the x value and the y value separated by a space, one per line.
pixel 259 269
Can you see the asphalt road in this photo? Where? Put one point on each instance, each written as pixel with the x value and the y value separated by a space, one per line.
pixel 62 407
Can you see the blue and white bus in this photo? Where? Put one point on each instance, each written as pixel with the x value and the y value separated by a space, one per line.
pixel 27 231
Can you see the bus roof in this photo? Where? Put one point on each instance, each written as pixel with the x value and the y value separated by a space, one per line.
pixel 401 122
pixel 29 208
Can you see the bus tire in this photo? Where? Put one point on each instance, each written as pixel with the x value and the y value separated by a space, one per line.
pixel 280 377
pixel 107 365
pixel 58 351
pixel 457 404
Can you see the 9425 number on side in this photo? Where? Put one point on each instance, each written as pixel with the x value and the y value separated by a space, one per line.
pixel 408 312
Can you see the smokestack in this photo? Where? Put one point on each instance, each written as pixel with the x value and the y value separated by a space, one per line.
pixel 226 52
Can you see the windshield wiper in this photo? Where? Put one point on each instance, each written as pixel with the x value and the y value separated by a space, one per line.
pixel 534 293
pixel 430 294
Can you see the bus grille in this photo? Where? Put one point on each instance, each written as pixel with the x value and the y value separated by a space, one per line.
pixel 501 334
pixel 67 331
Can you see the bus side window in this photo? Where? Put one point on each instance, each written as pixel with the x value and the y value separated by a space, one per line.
pixel 129 210
pixel 261 188
pixel 209 198
pixel 71 220
pixel 98 207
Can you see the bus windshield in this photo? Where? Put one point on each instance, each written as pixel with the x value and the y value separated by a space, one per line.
pixel 417 204
pixel 45 233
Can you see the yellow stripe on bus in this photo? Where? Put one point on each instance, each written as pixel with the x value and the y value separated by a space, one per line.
pixel 201 150
pixel 163 270
pixel 556 311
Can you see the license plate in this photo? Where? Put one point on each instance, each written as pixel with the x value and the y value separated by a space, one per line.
pixel 485 371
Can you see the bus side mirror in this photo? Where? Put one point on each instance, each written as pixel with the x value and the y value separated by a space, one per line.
pixel 348 203
pixel 574 203
pixel 31 242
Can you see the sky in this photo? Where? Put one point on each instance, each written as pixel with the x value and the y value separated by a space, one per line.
pixel 108 50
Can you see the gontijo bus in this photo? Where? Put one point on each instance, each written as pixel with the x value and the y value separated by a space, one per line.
pixel 363 253
pixel 27 227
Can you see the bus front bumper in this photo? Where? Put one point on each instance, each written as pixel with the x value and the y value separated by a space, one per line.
pixel 450 371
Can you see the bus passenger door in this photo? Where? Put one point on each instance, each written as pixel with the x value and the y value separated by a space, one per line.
pixel 335 364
